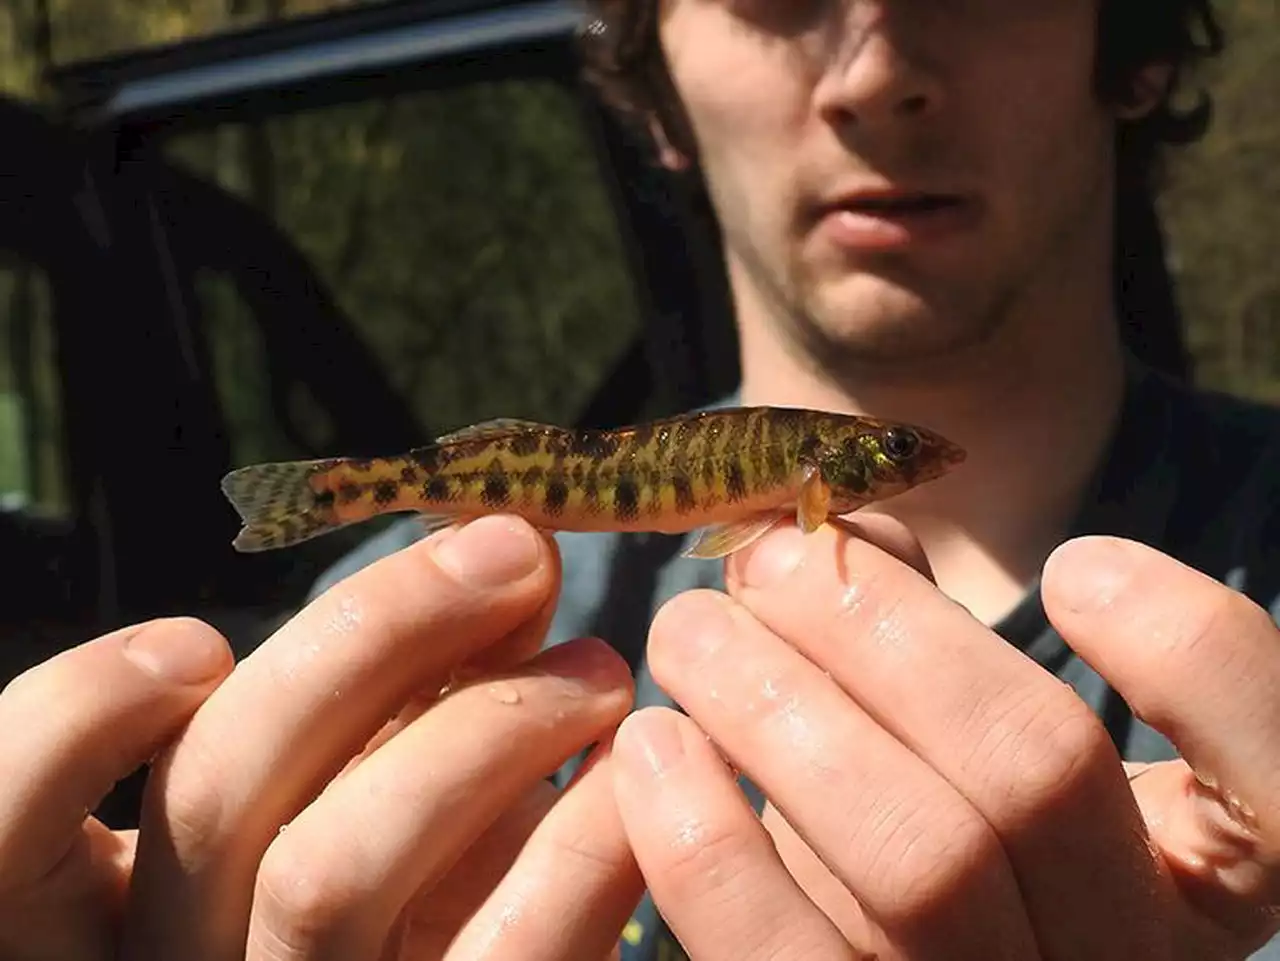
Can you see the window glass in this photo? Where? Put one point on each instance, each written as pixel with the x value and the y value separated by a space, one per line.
pixel 466 236
pixel 36 33
pixel 32 462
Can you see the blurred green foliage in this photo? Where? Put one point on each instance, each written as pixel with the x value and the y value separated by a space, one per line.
pixel 1222 212
pixel 465 233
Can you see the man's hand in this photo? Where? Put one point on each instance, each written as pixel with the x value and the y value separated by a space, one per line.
pixel 936 794
pixel 327 800
pixel 69 729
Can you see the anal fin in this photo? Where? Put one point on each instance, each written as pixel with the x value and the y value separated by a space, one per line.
pixel 721 540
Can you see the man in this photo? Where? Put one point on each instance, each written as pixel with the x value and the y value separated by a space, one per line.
pixel 917 202
pixel 916 199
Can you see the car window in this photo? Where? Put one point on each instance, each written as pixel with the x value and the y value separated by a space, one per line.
pixel 87 29
pixel 465 237
pixel 32 452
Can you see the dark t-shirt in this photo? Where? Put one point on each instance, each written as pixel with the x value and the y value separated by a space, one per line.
pixel 1194 474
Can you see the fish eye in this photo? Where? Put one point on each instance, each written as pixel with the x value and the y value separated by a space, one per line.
pixel 900 443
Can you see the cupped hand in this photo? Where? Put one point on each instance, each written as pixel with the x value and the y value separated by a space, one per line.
pixel 933 792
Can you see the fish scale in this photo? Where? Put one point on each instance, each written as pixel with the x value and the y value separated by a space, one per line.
pixel 731 473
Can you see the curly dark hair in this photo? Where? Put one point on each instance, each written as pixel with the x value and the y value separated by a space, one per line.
pixel 624 63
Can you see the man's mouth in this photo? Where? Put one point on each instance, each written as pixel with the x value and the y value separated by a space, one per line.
pixel 887 219
pixel 897 203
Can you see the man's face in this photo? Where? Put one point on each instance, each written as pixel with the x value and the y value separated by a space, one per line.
pixel 894 176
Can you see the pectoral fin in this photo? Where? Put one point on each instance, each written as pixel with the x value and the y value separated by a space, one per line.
pixel 722 540
pixel 813 502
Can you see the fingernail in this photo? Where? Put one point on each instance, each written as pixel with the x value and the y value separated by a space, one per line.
pixel 490 552
pixel 177 653
pixel 690 629
pixel 773 557
pixel 652 745
pixel 1087 574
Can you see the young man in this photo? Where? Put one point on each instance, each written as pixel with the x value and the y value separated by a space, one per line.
pixel 917 201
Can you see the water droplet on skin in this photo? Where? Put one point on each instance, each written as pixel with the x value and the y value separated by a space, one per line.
pixel 504 693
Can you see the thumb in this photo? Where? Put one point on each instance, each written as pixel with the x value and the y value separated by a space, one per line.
pixel 79 722
pixel 1207 852
pixel 1200 663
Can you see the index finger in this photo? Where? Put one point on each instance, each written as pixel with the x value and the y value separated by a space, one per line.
pixel 304 703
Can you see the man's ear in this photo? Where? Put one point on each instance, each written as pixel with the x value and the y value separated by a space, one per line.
pixel 1149 87
pixel 668 155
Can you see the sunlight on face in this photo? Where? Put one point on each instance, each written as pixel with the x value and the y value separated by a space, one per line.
pixel 897 179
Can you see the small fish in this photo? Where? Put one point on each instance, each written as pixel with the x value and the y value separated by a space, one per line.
pixel 731 473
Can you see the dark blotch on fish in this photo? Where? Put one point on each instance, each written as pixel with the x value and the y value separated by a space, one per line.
pixel 427 458
pixel 496 491
pixel 735 484
pixel 526 444
pixel 557 496
pixel 626 499
pixel 438 489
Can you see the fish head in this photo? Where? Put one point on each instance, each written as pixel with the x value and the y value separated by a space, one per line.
pixel 864 460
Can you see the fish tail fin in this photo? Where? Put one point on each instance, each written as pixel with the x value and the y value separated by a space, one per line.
pixel 278 504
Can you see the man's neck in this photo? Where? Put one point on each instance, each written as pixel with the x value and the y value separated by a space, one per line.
pixel 1034 422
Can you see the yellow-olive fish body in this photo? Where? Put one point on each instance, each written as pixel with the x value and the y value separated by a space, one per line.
pixel 733 473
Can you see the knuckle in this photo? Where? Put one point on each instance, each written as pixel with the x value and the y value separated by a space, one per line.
pixel 1205 628
pixel 717 872
pixel 705 857
pixel 1063 750
pixel 924 853
pixel 582 849
pixel 192 781
pixel 1043 751
pixel 297 897
pixel 1218 623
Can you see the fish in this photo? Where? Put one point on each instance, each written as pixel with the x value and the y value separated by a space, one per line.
pixel 729 474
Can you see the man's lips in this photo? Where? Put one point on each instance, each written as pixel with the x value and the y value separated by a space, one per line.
pixel 888 219
pixel 889 202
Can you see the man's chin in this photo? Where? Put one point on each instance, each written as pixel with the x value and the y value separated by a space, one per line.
pixel 868 319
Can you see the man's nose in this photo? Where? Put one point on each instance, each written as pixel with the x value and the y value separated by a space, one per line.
pixel 875 74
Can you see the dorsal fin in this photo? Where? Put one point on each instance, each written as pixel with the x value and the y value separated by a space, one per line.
pixel 493 428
